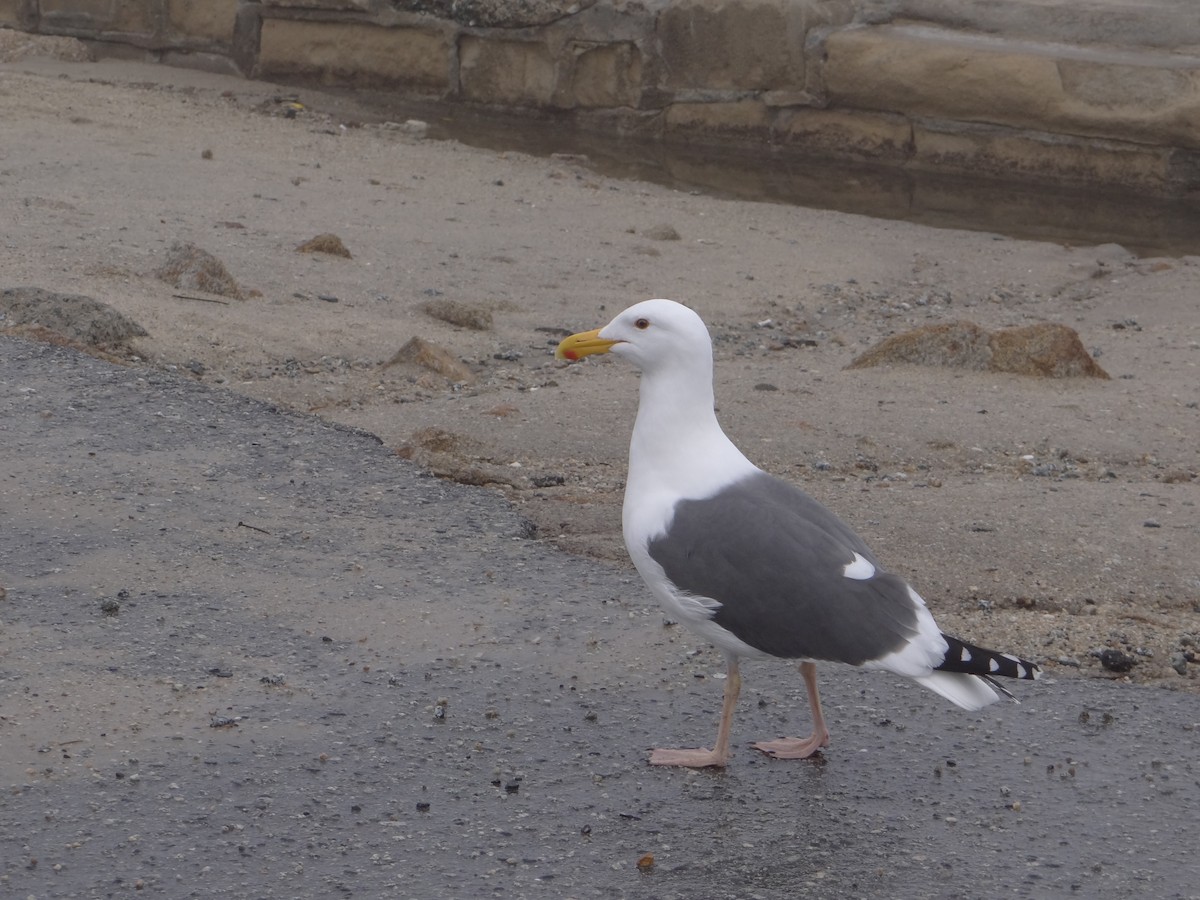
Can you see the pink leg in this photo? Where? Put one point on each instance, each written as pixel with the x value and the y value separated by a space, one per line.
pixel 719 755
pixel 802 748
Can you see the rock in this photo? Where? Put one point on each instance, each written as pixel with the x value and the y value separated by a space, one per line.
pixel 17 45
pixel 1112 253
pixel 435 440
pixel 961 345
pixel 1046 349
pixel 415 127
pixel 461 314
pixel 74 316
pixel 1117 660
pixel 422 353
pixel 1177 476
pixel 325 243
pixel 191 268
pixel 662 232
pixel 456 457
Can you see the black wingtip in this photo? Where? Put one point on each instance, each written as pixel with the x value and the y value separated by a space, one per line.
pixel 988 664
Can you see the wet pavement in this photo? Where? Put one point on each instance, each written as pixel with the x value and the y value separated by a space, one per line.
pixel 248 653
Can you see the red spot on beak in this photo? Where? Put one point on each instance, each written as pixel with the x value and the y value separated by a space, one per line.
pixel 571 354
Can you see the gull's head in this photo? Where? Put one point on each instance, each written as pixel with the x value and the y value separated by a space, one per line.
pixel 651 335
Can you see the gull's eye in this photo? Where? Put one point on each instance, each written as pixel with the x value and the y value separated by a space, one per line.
pixel 642 324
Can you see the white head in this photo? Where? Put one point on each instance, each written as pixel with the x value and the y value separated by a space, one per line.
pixel 655 335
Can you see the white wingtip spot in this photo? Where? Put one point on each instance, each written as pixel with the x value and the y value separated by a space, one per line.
pixel 965 655
pixel 859 569
pixel 993 666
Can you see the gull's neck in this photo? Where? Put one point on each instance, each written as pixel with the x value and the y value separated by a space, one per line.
pixel 678 446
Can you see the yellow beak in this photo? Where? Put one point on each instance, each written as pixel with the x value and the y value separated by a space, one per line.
pixel 586 343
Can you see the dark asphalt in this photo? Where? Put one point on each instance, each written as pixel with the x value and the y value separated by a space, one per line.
pixel 453 709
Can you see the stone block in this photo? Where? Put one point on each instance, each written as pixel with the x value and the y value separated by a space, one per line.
pixel 12 13
pixel 496 70
pixel 741 45
pixel 355 54
pixel 1125 23
pixel 731 45
pixel 845 134
pixel 737 118
pixel 1140 100
pixel 603 75
pixel 336 5
pixel 209 21
pixel 1003 153
pixel 100 16
pixel 1096 92
pixel 507 14
pixel 919 72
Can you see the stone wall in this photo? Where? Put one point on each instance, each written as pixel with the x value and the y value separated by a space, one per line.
pixel 183 26
pixel 1087 91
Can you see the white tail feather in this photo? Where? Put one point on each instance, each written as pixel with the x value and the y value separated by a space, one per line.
pixel 968 691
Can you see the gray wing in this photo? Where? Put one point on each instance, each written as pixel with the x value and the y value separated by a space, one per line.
pixel 775 558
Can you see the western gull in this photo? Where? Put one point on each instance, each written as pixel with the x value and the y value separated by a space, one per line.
pixel 750 562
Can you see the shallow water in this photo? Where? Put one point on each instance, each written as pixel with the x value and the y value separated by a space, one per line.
pixel 1146 225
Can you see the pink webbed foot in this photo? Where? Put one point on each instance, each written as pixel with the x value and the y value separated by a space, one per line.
pixel 802 748
pixel 693 759
pixel 793 748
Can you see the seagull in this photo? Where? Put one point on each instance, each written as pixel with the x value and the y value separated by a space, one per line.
pixel 750 562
